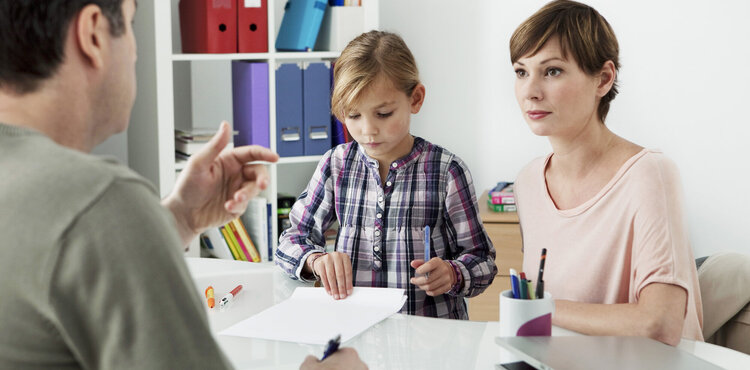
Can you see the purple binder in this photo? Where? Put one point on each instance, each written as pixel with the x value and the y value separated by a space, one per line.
pixel 250 103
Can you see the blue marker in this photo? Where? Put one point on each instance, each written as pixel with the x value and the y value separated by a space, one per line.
pixel 426 247
pixel 515 284
pixel 426 243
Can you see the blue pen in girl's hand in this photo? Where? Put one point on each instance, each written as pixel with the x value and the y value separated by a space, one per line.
pixel 426 243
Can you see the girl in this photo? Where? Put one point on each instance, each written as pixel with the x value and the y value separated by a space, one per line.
pixel 385 188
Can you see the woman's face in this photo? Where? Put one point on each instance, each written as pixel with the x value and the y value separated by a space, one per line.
pixel 556 97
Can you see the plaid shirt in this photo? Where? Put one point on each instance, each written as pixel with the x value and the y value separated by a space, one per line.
pixel 382 227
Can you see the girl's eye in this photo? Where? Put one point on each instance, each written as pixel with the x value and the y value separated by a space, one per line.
pixel 554 72
pixel 520 73
pixel 354 116
pixel 385 115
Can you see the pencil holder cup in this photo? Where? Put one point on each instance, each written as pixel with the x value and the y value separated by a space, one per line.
pixel 525 317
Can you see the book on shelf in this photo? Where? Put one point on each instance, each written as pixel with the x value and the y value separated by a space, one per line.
pixel 189 142
pixel 230 241
pixel 244 238
pixel 217 245
pixel 501 207
pixel 239 242
pixel 502 193
pixel 255 219
pixel 501 187
pixel 195 134
pixel 233 246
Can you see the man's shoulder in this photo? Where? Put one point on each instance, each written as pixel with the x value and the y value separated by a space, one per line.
pixel 54 184
pixel 71 169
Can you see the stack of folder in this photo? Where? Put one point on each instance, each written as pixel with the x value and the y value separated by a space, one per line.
pixel 224 26
pixel 303 108
pixel 502 198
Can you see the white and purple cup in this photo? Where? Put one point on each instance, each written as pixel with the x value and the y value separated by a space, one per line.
pixel 525 317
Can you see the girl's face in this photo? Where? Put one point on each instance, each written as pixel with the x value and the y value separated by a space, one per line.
pixel 556 97
pixel 380 121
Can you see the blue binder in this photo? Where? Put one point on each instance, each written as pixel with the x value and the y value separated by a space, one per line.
pixel 300 25
pixel 289 136
pixel 316 103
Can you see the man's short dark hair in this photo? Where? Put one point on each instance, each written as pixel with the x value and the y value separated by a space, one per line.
pixel 32 37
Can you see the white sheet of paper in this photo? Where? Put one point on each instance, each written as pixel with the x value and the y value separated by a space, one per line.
pixel 312 316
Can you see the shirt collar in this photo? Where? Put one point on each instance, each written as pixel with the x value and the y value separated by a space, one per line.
pixel 416 151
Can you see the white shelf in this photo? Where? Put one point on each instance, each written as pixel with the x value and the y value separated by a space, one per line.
pixel 244 56
pixel 280 55
pixel 305 159
pixel 165 97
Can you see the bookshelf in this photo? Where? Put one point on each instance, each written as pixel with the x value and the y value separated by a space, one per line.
pixel 177 90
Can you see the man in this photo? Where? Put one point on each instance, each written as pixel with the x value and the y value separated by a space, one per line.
pixel 91 269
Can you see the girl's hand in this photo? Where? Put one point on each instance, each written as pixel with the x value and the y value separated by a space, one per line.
pixel 335 271
pixel 437 276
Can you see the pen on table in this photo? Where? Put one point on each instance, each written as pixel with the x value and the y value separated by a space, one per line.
pixel 228 298
pixel 514 284
pixel 523 286
pixel 426 246
pixel 539 280
pixel 210 296
pixel 333 346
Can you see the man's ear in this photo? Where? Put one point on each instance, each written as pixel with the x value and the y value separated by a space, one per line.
pixel 607 77
pixel 91 30
pixel 417 98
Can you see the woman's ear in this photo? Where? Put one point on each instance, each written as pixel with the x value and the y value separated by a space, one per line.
pixel 417 98
pixel 607 77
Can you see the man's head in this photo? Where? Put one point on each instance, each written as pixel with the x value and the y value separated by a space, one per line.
pixel 67 68
pixel 33 34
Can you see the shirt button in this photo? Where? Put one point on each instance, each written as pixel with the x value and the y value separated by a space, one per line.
pixel 377 232
pixel 376 249
pixel 388 183
pixel 379 215
pixel 394 165
pixel 380 199
pixel 377 264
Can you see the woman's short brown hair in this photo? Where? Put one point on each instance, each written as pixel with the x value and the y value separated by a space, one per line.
pixel 363 60
pixel 583 33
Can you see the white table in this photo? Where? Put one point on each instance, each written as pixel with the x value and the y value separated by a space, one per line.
pixel 398 342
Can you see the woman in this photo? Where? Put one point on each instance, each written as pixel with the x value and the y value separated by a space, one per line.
pixel 608 211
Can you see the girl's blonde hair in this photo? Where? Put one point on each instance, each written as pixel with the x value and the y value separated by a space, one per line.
pixel 363 60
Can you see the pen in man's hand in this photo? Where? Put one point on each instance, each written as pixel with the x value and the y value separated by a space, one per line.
pixel 539 281
pixel 333 346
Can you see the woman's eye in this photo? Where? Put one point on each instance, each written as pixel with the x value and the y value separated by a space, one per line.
pixel 554 72
pixel 354 116
pixel 520 73
pixel 385 115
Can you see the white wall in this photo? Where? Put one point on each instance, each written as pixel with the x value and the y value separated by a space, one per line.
pixel 683 90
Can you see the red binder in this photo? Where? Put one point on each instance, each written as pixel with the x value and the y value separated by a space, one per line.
pixel 252 26
pixel 208 26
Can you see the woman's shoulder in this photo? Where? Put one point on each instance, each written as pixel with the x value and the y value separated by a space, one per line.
pixel 653 164
pixel 652 173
